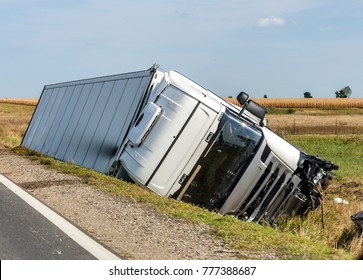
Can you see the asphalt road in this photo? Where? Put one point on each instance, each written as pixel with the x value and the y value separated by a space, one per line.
pixel 28 235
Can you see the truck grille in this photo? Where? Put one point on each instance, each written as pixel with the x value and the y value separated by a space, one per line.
pixel 268 188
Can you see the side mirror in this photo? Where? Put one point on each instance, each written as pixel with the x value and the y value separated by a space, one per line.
pixel 256 109
pixel 242 98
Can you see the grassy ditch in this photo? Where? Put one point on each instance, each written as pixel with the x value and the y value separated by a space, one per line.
pixel 345 151
pixel 250 238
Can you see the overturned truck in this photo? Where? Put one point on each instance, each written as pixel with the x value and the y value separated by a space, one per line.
pixel 174 137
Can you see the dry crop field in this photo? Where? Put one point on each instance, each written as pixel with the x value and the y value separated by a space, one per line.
pixel 320 103
pixel 298 116
pixel 301 124
pixel 286 116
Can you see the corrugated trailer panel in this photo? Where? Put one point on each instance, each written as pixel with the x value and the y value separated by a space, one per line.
pixel 86 121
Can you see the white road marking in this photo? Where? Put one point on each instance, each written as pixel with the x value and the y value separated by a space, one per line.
pixel 77 235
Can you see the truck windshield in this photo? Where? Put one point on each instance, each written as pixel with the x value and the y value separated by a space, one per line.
pixel 219 171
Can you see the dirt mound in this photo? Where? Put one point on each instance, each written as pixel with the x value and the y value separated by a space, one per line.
pixel 351 185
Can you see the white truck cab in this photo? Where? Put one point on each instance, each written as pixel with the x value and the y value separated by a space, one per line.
pixel 191 145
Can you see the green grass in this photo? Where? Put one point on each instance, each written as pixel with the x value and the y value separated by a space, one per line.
pixel 280 111
pixel 344 150
pixel 315 111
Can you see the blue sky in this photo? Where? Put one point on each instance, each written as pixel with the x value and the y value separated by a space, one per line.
pixel 280 48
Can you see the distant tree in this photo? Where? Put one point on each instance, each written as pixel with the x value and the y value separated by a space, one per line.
pixel 307 95
pixel 265 96
pixel 344 92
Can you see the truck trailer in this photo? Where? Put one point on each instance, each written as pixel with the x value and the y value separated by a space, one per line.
pixel 167 133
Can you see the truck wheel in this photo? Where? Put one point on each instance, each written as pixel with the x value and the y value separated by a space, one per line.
pixel 119 172
pixel 123 175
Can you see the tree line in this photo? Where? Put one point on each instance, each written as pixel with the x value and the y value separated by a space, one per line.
pixel 345 92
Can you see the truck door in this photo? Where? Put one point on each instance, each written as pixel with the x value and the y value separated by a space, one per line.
pixel 164 139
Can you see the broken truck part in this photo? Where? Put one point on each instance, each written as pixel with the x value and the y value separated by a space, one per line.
pixel 357 218
pixel 179 140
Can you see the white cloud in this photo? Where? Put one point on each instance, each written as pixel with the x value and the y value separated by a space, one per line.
pixel 270 21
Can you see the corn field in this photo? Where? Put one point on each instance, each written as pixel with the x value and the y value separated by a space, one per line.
pixel 318 103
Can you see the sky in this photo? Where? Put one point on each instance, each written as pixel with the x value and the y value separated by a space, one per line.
pixel 278 48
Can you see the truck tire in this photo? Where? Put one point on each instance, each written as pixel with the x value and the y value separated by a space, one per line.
pixel 123 175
